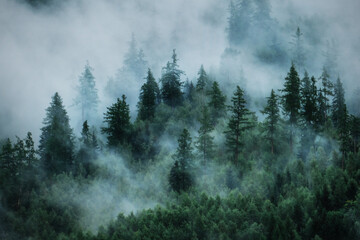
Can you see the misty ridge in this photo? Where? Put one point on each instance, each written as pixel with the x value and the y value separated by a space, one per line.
pixel 179 120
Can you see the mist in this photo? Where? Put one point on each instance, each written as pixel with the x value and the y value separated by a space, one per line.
pixel 44 49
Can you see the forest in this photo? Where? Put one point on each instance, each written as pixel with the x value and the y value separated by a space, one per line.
pixel 194 157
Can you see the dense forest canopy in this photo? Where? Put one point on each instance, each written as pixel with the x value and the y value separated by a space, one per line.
pixel 225 120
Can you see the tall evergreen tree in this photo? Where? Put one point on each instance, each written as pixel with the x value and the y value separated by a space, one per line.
pixel 119 127
pixel 180 177
pixel 149 98
pixel 327 90
pixel 204 142
pixel 134 61
pixel 87 98
pixel 298 53
pixel 321 109
pixel 202 80
pixel 272 118
pixel 355 132
pixel 217 102
pixel 308 99
pixel 171 83
pixel 291 95
pixel 88 149
pixel 56 140
pixel 291 99
pixel 338 104
pixel 238 123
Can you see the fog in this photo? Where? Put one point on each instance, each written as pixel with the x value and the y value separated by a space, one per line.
pixel 44 49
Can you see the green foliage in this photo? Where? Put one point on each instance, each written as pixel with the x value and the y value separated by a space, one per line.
pixel 56 141
pixel 149 98
pixel 119 127
pixel 238 123
pixel 217 102
pixel 87 97
pixel 272 118
pixel 171 84
pixel 180 178
pixel 204 142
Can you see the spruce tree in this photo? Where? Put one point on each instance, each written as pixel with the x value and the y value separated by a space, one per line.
pixel 171 83
pixel 204 142
pixel 308 99
pixel 338 104
pixel 298 53
pixel 56 141
pixel 180 177
pixel 321 109
pixel 119 127
pixel 238 123
pixel 291 100
pixel 291 95
pixel 88 149
pixel 355 132
pixel 217 102
pixel 272 118
pixel 87 97
pixel 202 80
pixel 149 98
pixel 327 90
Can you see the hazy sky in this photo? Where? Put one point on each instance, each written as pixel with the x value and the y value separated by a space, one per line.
pixel 43 51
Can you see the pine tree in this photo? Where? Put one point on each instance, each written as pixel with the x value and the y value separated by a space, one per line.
pixel 291 96
pixel 149 98
pixel 321 109
pixel 87 98
pixel 272 119
pixel 119 127
pixel 298 53
pixel 327 90
pixel 238 123
pixel 217 102
pixel 30 151
pixel 308 99
pixel 189 91
pixel 355 132
pixel 180 177
pixel 202 80
pixel 88 149
pixel 171 84
pixel 291 99
pixel 204 143
pixel 56 140
pixel 338 104
pixel 134 61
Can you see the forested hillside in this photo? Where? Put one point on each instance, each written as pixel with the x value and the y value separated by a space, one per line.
pixel 175 156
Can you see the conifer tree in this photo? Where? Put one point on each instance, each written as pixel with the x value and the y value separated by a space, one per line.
pixel 272 118
pixel 308 99
pixel 189 91
pixel 355 132
pixel 291 99
pixel 171 84
pixel 217 102
pixel 88 148
pixel 238 123
pixel 30 151
pixel 291 95
pixel 204 142
pixel 327 90
pixel 321 109
pixel 180 177
pixel 149 98
pixel 298 53
pixel 56 141
pixel 119 127
pixel 87 98
pixel 338 104
pixel 134 61
pixel 202 80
